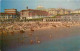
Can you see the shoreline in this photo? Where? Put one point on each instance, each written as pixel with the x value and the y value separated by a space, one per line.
pixel 16 27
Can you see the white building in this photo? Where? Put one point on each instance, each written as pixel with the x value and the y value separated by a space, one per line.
pixel 76 11
pixel 72 18
pixel 75 17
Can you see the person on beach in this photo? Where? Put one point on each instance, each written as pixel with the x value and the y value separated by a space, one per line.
pixel 31 41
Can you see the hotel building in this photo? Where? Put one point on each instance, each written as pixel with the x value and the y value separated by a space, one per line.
pixel 9 14
pixel 54 11
pixel 32 13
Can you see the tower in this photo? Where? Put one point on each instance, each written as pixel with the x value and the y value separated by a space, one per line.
pixel 27 7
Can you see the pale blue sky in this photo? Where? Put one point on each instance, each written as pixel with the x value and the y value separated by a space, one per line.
pixel 32 4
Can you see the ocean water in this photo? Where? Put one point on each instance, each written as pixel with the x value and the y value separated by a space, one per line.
pixel 63 39
pixel 65 44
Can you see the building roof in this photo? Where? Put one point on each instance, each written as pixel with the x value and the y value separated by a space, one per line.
pixel 10 9
pixel 31 10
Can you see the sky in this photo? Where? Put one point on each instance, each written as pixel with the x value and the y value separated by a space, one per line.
pixel 32 4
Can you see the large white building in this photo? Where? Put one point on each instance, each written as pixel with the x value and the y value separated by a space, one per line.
pixel 76 11
pixel 40 8
pixel 31 14
pixel 73 18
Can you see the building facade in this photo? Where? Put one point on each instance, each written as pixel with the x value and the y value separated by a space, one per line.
pixel 31 13
pixel 52 19
pixel 76 11
pixel 10 10
pixel 9 14
pixel 40 8
pixel 53 11
pixel 70 18
pixel 75 17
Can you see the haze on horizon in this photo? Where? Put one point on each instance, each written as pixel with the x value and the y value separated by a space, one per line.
pixel 32 4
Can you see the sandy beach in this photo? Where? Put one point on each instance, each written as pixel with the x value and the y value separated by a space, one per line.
pixel 36 33
pixel 17 26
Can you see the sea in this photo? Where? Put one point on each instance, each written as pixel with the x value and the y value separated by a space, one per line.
pixel 68 41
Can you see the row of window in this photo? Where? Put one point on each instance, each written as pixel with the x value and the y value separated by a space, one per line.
pixel 58 19
pixel 5 17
